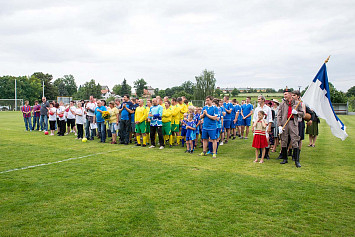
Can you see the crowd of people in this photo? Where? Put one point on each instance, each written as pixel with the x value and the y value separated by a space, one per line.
pixel 176 121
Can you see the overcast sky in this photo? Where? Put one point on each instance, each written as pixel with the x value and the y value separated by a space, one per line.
pixel 246 43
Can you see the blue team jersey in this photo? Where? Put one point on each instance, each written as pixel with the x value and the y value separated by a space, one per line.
pixel 98 114
pixel 220 116
pixel 210 124
pixel 183 124
pixel 155 115
pixel 247 108
pixel 238 108
pixel 190 132
pixel 227 106
pixel 233 112
pixel 125 115
pixel 134 107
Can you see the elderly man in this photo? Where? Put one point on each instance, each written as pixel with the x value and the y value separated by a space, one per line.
pixel 268 120
pixel 155 117
pixel 90 113
pixel 44 114
pixel 289 109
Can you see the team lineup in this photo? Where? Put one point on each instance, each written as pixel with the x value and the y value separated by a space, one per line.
pixel 177 122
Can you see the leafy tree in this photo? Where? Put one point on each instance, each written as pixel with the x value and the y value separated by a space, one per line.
pixel 117 89
pixel 66 85
pixel 183 93
pixel 125 88
pixel 205 84
pixel 335 95
pixel 50 90
pixel 235 92
pixel 188 87
pixel 156 91
pixel 351 92
pixel 161 93
pixel 140 85
pixel 218 92
pixel 88 89
pixel 280 90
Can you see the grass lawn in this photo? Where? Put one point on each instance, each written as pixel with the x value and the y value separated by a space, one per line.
pixel 135 191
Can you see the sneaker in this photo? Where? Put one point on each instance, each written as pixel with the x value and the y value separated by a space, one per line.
pixel 203 154
pixel 144 145
pixel 66 133
pixel 245 137
pixel 152 146
pixel 241 137
pixel 138 144
pixel 233 138
pixel 161 147
pixel 221 143
pixel 76 134
pixel 214 156
pixel 40 130
pixel 225 142
pixel 208 152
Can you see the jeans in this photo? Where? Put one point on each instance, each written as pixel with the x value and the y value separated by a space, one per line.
pixel 101 127
pixel 28 122
pixel 44 119
pixel 124 131
pixel 35 121
pixel 89 120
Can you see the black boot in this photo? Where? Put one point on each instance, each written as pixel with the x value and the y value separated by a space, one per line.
pixel 260 152
pixel 280 156
pixel 284 155
pixel 289 152
pixel 267 153
pixel 297 157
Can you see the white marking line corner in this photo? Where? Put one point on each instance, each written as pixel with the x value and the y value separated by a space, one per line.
pixel 55 162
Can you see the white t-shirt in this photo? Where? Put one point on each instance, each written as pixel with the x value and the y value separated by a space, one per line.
pixel 70 115
pixel 80 117
pixel 54 116
pixel 60 110
pixel 91 106
pixel 267 111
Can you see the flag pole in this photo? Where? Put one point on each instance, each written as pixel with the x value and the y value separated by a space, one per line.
pixel 327 59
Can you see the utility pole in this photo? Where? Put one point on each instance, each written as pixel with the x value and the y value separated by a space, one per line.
pixel 43 87
pixel 15 96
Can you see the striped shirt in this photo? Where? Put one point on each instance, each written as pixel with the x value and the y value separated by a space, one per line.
pixel 24 109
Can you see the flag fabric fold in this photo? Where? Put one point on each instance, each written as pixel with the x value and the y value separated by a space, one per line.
pixel 317 97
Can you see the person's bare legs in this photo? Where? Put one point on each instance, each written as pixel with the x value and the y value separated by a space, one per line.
pixel 242 131
pixel 262 155
pixel 256 155
pixel 247 131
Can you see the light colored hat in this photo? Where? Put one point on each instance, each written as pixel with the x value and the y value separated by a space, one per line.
pixel 276 101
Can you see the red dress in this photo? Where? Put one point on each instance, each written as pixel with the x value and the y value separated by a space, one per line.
pixel 259 140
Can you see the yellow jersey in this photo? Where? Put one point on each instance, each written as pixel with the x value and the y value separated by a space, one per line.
pixel 183 110
pixel 141 114
pixel 167 114
pixel 175 114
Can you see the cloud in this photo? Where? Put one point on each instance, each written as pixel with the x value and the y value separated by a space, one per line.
pixel 251 43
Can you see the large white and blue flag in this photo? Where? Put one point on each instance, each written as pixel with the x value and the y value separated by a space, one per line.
pixel 317 97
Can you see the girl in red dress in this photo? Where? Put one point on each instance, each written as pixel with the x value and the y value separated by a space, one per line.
pixel 259 141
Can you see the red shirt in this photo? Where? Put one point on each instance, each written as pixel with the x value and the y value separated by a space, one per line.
pixel 26 108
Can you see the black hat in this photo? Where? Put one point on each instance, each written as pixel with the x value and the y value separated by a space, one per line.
pixel 287 90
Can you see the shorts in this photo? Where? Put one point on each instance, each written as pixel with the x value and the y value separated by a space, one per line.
pixel 227 124
pixel 141 127
pixel 71 123
pixel 175 127
pixel 166 128
pixel 112 127
pixel 239 122
pixel 147 127
pixel 183 132
pixel 197 130
pixel 190 138
pixel 209 134
pixel 52 125
pixel 218 132
pixel 133 127
pixel 233 124
pixel 246 122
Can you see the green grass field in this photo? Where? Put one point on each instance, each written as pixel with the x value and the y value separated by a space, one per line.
pixel 115 190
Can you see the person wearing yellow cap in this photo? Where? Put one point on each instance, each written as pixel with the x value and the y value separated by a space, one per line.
pixel 140 118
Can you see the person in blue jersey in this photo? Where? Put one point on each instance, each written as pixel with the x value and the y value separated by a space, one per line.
pixel 156 123
pixel 240 120
pixel 125 124
pixel 197 120
pixel 209 115
pixel 190 133
pixel 237 117
pixel 247 111
pixel 183 123
pixel 233 124
pixel 227 118
pixel 101 126
pixel 223 113
pixel 132 129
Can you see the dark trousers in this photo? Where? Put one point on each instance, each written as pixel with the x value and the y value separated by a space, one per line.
pixel 124 130
pixel 153 130
pixel 80 130
pixel 61 126
pixel 35 121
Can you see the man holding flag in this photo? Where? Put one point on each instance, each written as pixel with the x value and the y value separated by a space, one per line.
pixel 287 118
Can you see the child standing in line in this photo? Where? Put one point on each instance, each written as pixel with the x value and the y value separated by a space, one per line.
pixel 183 129
pixel 190 133
pixel 259 141
pixel 52 117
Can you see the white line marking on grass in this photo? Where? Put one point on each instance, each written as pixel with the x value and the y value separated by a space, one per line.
pixel 56 162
